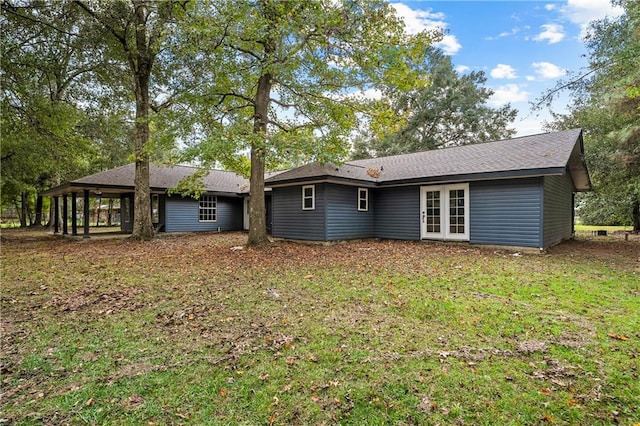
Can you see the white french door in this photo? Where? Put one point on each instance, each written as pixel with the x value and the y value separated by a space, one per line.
pixel 444 212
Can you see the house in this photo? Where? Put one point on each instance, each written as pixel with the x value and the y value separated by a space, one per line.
pixel 223 206
pixel 517 192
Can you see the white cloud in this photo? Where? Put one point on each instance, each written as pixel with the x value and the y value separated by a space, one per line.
pixel 503 71
pixel 582 12
pixel 508 93
pixel 449 45
pixel 548 70
pixel 461 69
pixel 550 6
pixel 416 21
pixel 530 78
pixel 552 33
pixel 504 34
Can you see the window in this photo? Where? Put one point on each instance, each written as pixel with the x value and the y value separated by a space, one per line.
pixel 155 208
pixel 208 207
pixel 309 197
pixel 363 199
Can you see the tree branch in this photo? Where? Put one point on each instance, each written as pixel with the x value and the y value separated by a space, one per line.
pixel 94 15
pixel 8 8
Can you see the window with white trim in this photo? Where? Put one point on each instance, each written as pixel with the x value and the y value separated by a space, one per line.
pixel 363 199
pixel 309 197
pixel 208 208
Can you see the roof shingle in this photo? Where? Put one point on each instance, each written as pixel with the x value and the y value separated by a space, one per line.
pixel 547 151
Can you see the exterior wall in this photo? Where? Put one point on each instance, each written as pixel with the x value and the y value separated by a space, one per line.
pixel 344 220
pixel 290 221
pixel 182 215
pixel 397 213
pixel 506 212
pixel 558 209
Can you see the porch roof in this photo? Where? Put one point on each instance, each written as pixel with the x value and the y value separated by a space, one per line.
pixel 113 182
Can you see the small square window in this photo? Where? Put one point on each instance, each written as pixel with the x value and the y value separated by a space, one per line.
pixel 309 197
pixel 363 199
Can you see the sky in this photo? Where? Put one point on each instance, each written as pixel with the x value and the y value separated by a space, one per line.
pixel 523 47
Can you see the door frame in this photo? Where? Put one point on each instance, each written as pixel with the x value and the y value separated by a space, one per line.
pixel 445 216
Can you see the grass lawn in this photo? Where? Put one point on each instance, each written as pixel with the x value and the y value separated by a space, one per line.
pixel 184 330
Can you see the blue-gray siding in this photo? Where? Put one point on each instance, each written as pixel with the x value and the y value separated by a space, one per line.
pixel 558 209
pixel 397 213
pixel 290 221
pixel 506 212
pixel 182 215
pixel 344 221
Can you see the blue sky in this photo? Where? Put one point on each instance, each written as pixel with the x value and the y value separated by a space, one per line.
pixel 523 47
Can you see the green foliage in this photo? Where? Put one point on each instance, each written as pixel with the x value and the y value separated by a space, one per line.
pixel 57 117
pixel 446 109
pixel 280 80
pixel 607 106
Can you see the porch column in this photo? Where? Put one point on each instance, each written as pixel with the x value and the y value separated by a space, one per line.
pixel 65 214
pixel 56 215
pixel 74 215
pixel 85 222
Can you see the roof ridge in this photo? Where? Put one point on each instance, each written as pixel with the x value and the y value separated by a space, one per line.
pixel 462 146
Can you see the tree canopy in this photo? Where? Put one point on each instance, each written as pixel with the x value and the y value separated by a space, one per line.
pixel 285 78
pixel 447 109
pixel 54 122
pixel 606 103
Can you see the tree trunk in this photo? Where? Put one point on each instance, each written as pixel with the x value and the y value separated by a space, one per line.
pixel 141 66
pixel 257 208
pixel 23 210
pixel 636 216
pixel 38 219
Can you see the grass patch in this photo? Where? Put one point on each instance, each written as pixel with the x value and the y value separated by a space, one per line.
pixel 184 330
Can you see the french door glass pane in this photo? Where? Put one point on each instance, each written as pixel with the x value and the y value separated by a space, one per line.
pixel 456 211
pixel 433 211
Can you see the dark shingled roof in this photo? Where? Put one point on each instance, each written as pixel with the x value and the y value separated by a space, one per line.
pixel 543 154
pixel 161 178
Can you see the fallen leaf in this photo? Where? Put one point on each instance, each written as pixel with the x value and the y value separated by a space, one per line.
pixel 309 276
pixel 618 336
pixel 314 397
pixel 547 418
pixel 90 402
pixel 223 392
pixel 272 418
pixel 546 391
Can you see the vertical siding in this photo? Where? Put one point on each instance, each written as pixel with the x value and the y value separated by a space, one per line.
pixel 558 209
pixel 397 213
pixel 182 215
pixel 290 221
pixel 506 212
pixel 344 221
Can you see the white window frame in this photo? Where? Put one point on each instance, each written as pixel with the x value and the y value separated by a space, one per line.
pixel 364 191
pixel 312 197
pixel 445 233
pixel 208 204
